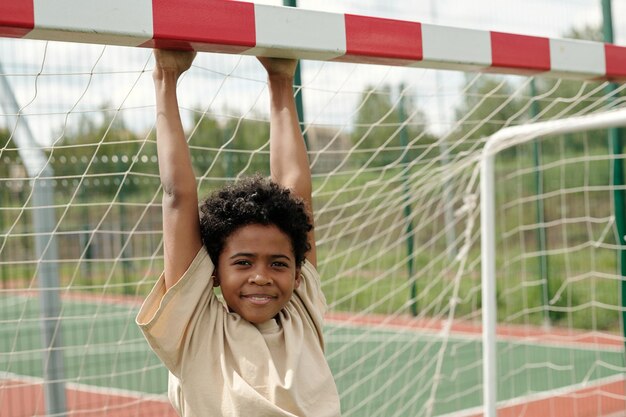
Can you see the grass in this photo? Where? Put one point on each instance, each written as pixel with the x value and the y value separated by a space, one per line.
pixel 363 247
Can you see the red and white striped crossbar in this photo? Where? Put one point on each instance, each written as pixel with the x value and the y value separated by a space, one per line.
pixel 254 29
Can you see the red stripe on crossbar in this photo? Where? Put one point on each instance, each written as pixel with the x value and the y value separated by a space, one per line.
pixel 530 54
pixel 615 62
pixel 377 40
pixel 203 25
pixel 17 18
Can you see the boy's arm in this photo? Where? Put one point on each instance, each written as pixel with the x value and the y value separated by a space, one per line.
pixel 289 163
pixel 181 230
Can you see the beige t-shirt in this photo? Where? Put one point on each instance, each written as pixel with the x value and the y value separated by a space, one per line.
pixel 223 365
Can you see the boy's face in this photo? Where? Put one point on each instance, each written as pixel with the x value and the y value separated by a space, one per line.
pixel 257 272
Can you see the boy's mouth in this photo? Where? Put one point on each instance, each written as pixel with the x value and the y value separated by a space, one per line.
pixel 258 299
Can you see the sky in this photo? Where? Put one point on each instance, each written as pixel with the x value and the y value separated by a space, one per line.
pixel 228 85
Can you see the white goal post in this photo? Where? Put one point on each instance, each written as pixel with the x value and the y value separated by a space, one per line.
pixel 498 142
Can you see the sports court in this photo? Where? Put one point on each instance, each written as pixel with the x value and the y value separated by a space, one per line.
pixel 109 359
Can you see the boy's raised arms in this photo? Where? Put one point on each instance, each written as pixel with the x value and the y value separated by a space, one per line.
pixel 181 223
pixel 289 163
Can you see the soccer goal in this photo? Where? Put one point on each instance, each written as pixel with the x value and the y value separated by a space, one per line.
pixel 399 117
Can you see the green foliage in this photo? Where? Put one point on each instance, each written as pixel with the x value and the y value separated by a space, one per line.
pixel 205 140
pixel 587 32
pixel 12 182
pixel 7 152
pixel 222 149
pixel 105 153
pixel 571 97
pixel 379 126
pixel 250 135
pixel 579 249
pixel 489 102
pixel 488 105
pixel 7 156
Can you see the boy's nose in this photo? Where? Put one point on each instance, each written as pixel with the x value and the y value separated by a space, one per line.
pixel 261 278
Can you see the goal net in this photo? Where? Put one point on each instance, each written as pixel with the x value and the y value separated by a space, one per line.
pixel 395 154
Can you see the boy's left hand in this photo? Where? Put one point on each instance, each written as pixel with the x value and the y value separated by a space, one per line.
pixel 279 66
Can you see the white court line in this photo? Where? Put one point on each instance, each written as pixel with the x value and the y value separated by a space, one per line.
pixel 544 395
pixel 83 350
pixel 89 388
pixel 433 335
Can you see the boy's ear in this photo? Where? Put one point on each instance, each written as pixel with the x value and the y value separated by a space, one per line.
pixel 298 278
pixel 216 280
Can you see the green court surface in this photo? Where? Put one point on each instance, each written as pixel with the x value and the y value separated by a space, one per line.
pixel 378 372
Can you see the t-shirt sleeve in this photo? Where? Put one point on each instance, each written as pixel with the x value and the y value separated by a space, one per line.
pixel 311 287
pixel 310 296
pixel 168 319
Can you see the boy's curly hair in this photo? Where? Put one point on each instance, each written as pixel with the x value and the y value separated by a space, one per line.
pixel 253 200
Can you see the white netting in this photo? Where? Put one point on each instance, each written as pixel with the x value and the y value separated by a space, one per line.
pixel 396 203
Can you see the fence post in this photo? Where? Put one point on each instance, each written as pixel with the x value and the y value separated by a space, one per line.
pixel 404 142
pixel 540 215
pixel 617 148
pixel 44 221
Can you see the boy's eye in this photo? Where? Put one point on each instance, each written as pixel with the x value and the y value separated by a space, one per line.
pixel 278 264
pixel 242 262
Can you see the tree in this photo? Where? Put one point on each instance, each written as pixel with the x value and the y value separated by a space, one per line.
pixel 488 104
pixel 226 149
pixel 250 135
pixel 104 155
pixel 8 153
pixel 205 140
pixel 12 172
pixel 378 124
pixel 587 32
pixel 573 97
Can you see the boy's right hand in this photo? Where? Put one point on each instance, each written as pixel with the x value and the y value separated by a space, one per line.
pixel 174 62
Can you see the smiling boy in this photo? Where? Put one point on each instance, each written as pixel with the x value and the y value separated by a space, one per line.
pixel 252 264
pixel 260 353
